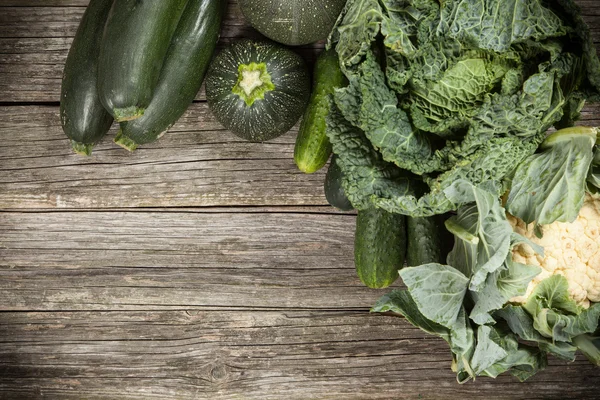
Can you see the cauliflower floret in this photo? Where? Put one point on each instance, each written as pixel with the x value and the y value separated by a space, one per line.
pixel 570 249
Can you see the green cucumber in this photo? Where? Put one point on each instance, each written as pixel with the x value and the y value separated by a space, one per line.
pixel 83 118
pixel 379 247
pixel 312 148
pixel 334 192
pixel 135 41
pixel 424 241
pixel 183 71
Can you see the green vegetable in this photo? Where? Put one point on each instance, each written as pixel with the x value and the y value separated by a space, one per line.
pixel 459 89
pixel 481 280
pixel 84 120
pixel 182 74
pixel 424 241
pixel 379 247
pixel 136 39
pixel 550 186
pixel 312 145
pixel 257 90
pixel 292 22
pixel 334 192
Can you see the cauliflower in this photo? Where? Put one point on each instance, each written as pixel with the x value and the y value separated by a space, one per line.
pixel 570 249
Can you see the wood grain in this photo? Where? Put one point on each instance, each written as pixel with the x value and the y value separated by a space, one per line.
pixel 246 355
pixel 162 260
pixel 196 164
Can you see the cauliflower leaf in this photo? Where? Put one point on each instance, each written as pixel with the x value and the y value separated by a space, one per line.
pixel 550 186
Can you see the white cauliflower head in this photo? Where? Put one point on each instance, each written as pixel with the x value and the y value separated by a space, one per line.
pixel 570 249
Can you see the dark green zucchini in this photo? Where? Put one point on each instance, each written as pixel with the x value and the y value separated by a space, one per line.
pixel 424 241
pixel 183 71
pixel 292 22
pixel 334 192
pixel 379 247
pixel 257 89
pixel 136 39
pixel 83 118
pixel 312 148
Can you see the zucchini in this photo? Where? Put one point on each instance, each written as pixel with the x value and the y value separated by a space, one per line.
pixel 183 71
pixel 379 246
pixel 334 192
pixel 424 241
pixel 135 41
pixel 257 89
pixel 83 118
pixel 312 148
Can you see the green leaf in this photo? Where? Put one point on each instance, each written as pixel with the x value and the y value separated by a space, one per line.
pixel 556 315
pixel 441 105
pixel 371 106
pixel 500 286
pixel 564 327
pixel 487 352
pixel 521 323
pixel 462 344
pixel 552 293
pixel 589 345
pixel 366 175
pixel 356 29
pixel 497 25
pixel 438 290
pixel 550 186
pixel 485 219
pixel 499 351
pixel 400 302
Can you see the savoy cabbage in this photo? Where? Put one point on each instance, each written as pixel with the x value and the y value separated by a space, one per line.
pixel 452 90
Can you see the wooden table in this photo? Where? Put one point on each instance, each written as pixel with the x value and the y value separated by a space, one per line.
pixel 199 267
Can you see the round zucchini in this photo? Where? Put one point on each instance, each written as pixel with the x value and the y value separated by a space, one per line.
pixel 183 71
pixel 136 39
pixel 312 148
pixel 257 90
pixel 334 192
pixel 379 247
pixel 83 118
pixel 292 22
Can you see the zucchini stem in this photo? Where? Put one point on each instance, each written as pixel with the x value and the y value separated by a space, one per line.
pixel 254 81
pixel 125 142
pixel 81 148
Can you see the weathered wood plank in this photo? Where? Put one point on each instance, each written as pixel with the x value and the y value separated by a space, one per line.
pixel 196 164
pixel 34 42
pixel 165 260
pixel 251 355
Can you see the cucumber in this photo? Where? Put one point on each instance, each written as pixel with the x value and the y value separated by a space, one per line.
pixel 379 246
pixel 312 148
pixel 83 118
pixel 135 41
pixel 182 74
pixel 424 241
pixel 334 192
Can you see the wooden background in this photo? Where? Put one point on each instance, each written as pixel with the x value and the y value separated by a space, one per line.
pixel 198 267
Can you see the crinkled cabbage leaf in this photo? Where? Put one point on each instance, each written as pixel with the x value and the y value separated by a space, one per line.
pixel 459 89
